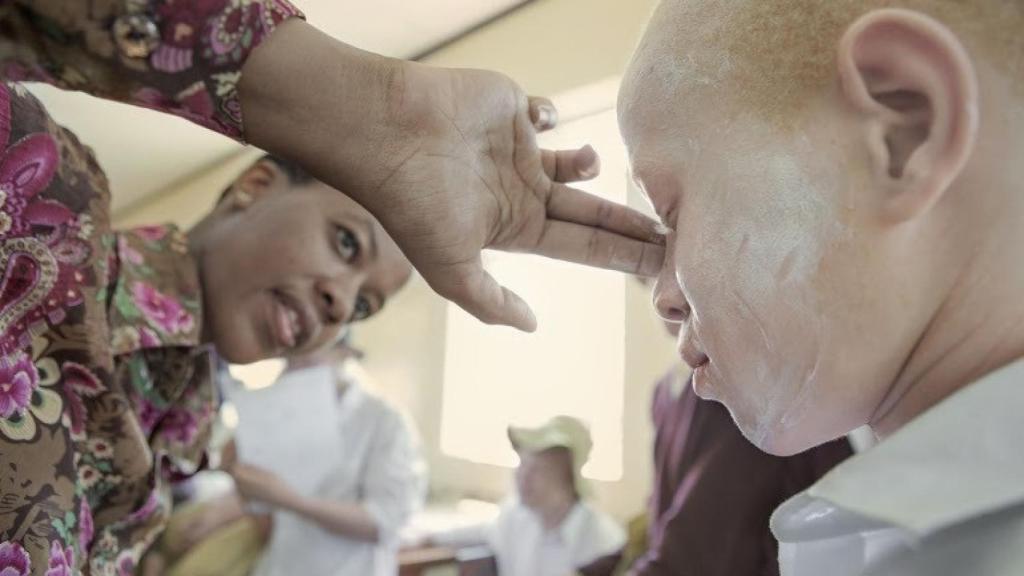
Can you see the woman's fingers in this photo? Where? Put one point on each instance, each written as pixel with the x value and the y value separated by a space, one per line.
pixel 478 293
pixel 543 113
pixel 599 248
pixel 566 166
pixel 571 205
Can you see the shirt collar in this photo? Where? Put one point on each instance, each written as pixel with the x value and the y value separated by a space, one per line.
pixel 572 526
pixel 959 460
pixel 155 294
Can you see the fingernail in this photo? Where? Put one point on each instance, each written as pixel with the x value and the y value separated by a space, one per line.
pixel 547 117
pixel 587 162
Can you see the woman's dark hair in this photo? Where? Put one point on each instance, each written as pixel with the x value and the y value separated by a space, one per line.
pixel 297 175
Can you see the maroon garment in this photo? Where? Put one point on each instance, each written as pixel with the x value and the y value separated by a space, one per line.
pixel 714 491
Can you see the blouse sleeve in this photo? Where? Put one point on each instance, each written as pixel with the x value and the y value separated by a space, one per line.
pixel 395 482
pixel 183 57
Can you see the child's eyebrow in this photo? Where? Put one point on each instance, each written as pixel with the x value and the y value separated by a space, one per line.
pixel 663 211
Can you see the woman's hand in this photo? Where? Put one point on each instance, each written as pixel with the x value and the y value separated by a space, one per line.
pixel 447 160
pixel 260 485
pixel 476 179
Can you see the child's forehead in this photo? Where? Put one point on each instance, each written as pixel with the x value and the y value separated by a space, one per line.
pixel 664 94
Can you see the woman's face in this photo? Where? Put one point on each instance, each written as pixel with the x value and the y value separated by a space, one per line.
pixel 284 268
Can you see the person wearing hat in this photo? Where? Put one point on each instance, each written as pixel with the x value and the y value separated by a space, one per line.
pixel 549 528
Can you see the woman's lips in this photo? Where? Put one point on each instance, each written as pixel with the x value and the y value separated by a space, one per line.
pixel 286 323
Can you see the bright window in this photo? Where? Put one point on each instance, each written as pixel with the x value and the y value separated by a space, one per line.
pixel 574 363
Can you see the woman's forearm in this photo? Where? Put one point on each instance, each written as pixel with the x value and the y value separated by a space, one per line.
pixel 309 96
pixel 346 519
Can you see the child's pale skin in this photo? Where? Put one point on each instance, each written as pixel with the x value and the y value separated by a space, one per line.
pixel 844 270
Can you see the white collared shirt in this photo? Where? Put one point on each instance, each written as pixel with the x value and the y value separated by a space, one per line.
pixel 379 466
pixel 524 547
pixel 944 495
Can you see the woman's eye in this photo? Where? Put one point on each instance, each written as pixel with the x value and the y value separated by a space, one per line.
pixel 348 244
pixel 362 310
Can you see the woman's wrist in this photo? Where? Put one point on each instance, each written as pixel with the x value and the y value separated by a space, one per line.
pixel 324 104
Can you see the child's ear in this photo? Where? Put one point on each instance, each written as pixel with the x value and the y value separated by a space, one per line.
pixel 914 86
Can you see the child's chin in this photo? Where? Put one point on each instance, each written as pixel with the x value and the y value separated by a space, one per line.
pixel 782 441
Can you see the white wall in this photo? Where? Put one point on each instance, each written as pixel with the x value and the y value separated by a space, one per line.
pixel 551 46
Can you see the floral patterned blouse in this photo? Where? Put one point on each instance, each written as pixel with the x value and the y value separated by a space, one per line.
pixel 106 395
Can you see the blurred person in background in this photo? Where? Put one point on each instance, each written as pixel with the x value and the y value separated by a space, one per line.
pixel 549 527
pixel 348 525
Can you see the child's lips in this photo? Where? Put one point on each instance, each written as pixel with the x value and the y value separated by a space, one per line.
pixel 689 350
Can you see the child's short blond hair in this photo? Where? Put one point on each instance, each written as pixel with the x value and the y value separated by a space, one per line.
pixel 784 50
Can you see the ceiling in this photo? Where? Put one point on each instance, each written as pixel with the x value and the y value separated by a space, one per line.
pixel 143 152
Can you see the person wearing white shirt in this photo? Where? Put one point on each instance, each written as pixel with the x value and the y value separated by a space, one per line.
pixel 841 188
pixel 348 525
pixel 548 528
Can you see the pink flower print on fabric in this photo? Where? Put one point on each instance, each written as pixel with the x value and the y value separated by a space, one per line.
pixel 129 254
pixel 146 511
pixel 86 528
pixel 179 425
pixel 14 560
pixel 17 72
pixel 151 233
pixel 171 59
pixel 126 564
pixel 26 168
pixel 79 381
pixel 149 415
pixel 148 338
pixel 18 379
pixel 40 253
pixel 162 312
pixel 193 104
pixel 45 404
pixel 231 35
pixel 61 560
pixel 181 24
